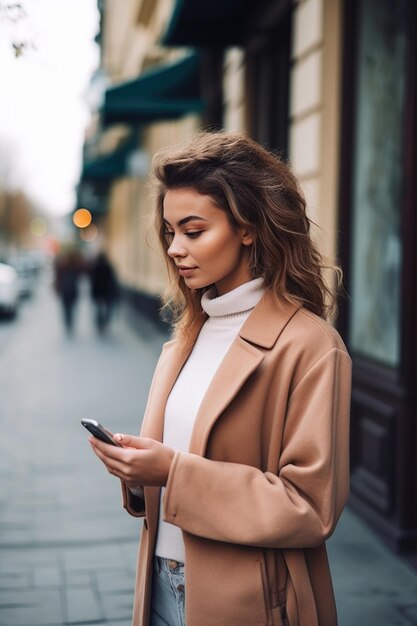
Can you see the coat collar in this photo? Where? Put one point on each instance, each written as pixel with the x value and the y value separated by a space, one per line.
pixel 267 320
pixel 261 330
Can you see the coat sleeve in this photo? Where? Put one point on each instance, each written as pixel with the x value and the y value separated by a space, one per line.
pixel 296 508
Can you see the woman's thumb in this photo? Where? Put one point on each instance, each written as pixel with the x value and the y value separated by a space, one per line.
pixel 126 440
pixel 123 439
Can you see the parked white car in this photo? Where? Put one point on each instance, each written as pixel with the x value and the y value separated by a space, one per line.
pixel 9 290
pixel 25 273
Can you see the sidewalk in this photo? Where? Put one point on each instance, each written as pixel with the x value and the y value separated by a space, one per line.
pixel 373 586
pixel 67 548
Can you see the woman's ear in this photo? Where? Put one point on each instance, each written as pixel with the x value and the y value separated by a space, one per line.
pixel 247 238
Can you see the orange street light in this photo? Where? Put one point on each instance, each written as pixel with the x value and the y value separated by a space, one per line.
pixel 82 218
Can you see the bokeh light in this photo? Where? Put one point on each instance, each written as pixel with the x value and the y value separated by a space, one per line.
pixel 82 218
pixel 38 227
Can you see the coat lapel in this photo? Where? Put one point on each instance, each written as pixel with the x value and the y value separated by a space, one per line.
pixel 238 364
pixel 260 331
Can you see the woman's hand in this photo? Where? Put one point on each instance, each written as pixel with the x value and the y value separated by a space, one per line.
pixel 141 461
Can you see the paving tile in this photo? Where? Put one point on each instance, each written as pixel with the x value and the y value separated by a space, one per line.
pixel 47 577
pixel 14 579
pixel 97 557
pixel 18 560
pixel 78 578
pixel 30 608
pixel 117 605
pixel 82 605
pixel 130 555
pixel 111 581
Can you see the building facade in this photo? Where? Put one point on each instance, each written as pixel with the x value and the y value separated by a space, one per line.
pixel 331 86
pixel 377 220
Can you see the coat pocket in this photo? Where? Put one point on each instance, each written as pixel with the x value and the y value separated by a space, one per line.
pixel 227 585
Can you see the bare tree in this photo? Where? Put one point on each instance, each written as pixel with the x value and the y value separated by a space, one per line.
pixel 14 14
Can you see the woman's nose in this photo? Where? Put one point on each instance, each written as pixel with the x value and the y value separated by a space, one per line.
pixel 176 249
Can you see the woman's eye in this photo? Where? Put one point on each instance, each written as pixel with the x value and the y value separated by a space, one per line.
pixel 193 234
pixel 168 234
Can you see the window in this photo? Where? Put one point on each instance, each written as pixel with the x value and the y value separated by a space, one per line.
pixel 377 189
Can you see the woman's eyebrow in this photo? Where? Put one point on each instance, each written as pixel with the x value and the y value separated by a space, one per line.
pixel 187 219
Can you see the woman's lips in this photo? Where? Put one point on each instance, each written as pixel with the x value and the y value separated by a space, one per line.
pixel 186 271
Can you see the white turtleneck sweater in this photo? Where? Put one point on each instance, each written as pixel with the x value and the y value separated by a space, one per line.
pixel 226 314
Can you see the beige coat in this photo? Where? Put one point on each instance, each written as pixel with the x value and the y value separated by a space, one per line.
pixel 265 479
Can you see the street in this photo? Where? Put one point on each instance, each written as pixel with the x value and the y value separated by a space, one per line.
pixel 67 548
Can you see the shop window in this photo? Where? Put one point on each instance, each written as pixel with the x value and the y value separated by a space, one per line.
pixel 374 330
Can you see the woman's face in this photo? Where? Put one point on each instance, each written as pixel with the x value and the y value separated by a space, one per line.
pixel 203 244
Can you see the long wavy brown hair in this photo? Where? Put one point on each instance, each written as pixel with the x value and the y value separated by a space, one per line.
pixel 258 192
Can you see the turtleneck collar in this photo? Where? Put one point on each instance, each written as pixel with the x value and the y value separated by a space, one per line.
pixel 242 298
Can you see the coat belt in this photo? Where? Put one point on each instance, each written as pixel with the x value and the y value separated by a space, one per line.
pixel 301 605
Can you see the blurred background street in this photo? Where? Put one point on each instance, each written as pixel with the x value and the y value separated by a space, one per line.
pixel 90 90
pixel 67 548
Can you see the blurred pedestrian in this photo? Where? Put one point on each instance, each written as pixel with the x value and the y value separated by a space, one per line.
pixel 246 427
pixel 68 268
pixel 104 291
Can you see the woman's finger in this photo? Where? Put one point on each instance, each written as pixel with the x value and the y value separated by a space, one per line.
pixel 117 469
pixel 107 449
pixel 104 454
pixel 114 467
pixel 101 455
pixel 120 467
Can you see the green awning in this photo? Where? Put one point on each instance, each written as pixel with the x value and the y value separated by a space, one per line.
pixel 206 23
pixel 162 93
pixel 106 168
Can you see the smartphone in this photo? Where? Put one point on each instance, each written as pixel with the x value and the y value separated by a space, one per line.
pixel 100 432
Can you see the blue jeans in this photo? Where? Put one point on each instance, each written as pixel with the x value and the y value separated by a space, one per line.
pixel 168 593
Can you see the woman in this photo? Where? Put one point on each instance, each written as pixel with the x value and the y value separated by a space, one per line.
pixel 246 427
